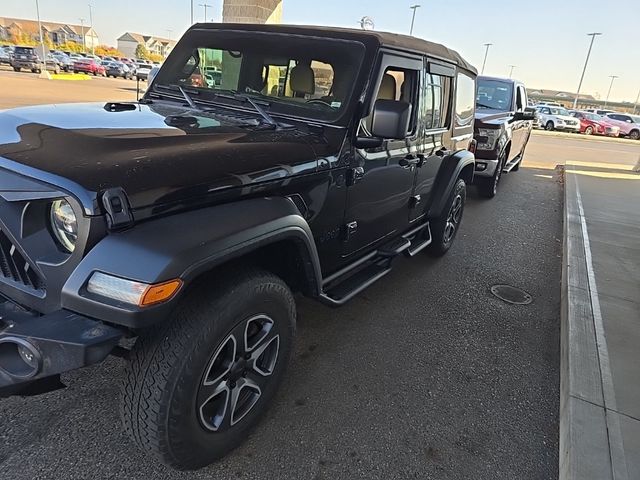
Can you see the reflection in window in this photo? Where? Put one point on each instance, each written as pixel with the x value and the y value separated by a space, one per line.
pixel 465 100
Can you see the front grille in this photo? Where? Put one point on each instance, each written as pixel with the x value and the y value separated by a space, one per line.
pixel 14 266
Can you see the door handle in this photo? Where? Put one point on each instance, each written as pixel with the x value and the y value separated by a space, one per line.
pixel 411 160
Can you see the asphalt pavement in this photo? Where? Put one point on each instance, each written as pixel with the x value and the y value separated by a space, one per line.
pixel 425 375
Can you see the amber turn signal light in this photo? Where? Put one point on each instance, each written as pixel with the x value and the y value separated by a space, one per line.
pixel 160 292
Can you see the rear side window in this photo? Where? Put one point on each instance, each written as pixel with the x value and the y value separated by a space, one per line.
pixel 436 96
pixel 465 100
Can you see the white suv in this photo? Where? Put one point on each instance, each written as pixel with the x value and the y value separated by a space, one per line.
pixel 557 118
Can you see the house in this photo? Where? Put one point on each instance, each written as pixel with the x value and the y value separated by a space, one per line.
pixel 129 41
pixel 56 33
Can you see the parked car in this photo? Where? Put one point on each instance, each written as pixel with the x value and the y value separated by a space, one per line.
pixel 598 111
pixel 243 198
pixel 28 58
pixel 503 125
pixel 629 124
pixel 5 55
pixel 89 66
pixel 592 124
pixel 64 62
pixel 557 118
pixel 142 71
pixel 118 69
pixel 549 104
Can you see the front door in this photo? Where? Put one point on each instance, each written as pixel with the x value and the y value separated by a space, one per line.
pixel 378 200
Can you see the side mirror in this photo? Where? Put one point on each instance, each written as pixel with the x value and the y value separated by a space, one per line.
pixel 528 114
pixel 391 119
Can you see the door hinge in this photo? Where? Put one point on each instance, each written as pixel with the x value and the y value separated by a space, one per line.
pixel 116 204
pixel 354 175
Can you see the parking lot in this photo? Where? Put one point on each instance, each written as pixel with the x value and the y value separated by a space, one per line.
pixel 425 375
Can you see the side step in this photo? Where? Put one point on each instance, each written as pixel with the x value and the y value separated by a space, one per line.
pixel 348 282
pixel 511 165
pixel 344 291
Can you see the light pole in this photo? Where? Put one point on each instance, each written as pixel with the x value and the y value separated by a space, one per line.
pixel 205 5
pixel 511 72
pixel 413 17
pixel 44 55
pixel 486 53
pixel 612 77
pixel 93 47
pixel 191 12
pixel 635 105
pixel 84 43
pixel 586 62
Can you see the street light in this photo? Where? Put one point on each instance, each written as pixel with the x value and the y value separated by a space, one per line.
pixel 486 53
pixel 44 55
pixel 635 105
pixel 511 72
pixel 413 17
pixel 205 5
pixel 191 12
pixel 593 37
pixel 84 43
pixel 612 77
pixel 93 46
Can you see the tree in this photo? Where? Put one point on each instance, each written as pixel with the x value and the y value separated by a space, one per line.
pixel 108 51
pixel 142 52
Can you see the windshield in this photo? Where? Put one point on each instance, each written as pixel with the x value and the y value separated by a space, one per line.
pixel 635 118
pixel 559 111
pixel 293 75
pixel 24 51
pixel 593 117
pixel 494 94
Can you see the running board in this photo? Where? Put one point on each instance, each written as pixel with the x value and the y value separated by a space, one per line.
pixel 349 281
pixel 511 165
pixel 344 291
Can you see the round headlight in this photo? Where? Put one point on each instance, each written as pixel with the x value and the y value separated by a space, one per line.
pixel 64 224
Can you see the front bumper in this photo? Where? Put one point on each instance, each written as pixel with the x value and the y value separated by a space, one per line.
pixel 28 64
pixel 485 168
pixel 37 348
pixel 567 128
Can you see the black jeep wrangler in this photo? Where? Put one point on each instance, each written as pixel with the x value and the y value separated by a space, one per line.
pixel 175 231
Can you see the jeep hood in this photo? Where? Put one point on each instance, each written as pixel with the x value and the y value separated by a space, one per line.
pixel 159 154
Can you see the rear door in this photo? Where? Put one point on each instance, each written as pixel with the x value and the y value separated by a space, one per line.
pixel 379 197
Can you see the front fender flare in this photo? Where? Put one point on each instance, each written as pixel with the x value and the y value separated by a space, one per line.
pixel 451 169
pixel 184 246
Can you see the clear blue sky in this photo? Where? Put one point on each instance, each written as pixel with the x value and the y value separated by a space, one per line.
pixel 546 39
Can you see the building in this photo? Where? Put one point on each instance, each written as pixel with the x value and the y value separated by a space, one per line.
pixel 252 11
pixel 17 29
pixel 129 41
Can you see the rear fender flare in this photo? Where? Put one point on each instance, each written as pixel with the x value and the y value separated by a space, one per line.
pixel 457 165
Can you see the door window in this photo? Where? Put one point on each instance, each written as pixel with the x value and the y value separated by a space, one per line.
pixel 520 100
pixel 436 102
pixel 465 100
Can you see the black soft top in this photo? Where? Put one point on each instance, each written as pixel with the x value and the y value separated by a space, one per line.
pixel 393 40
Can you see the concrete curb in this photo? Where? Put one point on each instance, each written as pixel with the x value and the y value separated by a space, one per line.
pixel 590 442
pixel 587 138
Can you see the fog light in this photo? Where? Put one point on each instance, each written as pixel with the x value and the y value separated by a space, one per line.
pixel 28 356
pixel 481 167
pixel 130 291
pixel 19 358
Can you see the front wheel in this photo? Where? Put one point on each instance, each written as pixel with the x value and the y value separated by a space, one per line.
pixel 445 228
pixel 198 385
pixel 634 135
pixel 588 130
pixel 549 126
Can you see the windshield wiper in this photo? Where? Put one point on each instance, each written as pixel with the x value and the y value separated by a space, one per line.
pixel 188 98
pixel 482 105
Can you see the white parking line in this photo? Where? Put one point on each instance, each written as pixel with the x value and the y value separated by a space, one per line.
pixel 616 445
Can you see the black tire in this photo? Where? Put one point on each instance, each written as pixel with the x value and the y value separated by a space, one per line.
pixel 634 135
pixel 488 187
pixel 170 365
pixel 445 228
pixel 549 126
pixel 16 69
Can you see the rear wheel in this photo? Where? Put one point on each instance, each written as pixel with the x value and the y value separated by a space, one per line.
pixel 198 385
pixel 445 228
pixel 549 126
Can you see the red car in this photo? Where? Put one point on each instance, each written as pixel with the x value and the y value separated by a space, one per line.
pixel 88 65
pixel 593 124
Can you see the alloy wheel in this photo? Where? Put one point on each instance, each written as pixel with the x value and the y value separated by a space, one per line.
pixel 238 373
pixel 588 131
pixel 453 219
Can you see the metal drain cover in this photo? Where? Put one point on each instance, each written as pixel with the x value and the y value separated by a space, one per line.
pixel 510 294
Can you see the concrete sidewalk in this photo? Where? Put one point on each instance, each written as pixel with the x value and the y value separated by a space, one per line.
pixel 600 337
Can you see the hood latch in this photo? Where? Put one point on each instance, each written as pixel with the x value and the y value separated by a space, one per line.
pixel 116 204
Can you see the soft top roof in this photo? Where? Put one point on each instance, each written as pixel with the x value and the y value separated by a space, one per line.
pixel 394 40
